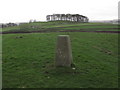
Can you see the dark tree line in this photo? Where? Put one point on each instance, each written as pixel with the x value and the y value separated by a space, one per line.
pixel 67 17
pixel 8 25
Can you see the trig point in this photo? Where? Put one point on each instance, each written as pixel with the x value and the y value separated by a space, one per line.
pixel 63 51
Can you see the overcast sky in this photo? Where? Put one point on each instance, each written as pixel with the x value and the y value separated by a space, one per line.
pixel 24 10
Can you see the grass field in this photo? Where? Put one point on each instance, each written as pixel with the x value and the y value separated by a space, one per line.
pixel 37 26
pixel 28 60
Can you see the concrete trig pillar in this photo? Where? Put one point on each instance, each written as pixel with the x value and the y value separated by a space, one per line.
pixel 63 51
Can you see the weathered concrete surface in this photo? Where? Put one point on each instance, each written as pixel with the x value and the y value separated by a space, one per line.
pixel 63 51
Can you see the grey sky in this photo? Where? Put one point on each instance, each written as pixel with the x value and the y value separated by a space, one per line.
pixel 24 10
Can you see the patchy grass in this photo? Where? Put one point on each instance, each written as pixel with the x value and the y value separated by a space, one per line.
pixel 61 25
pixel 10 28
pixel 28 61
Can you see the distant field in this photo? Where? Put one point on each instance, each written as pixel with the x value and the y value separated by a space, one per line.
pixel 11 28
pixel 28 61
pixel 39 26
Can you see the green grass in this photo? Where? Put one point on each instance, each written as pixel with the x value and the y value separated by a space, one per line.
pixel 28 62
pixel 60 25
pixel 10 28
